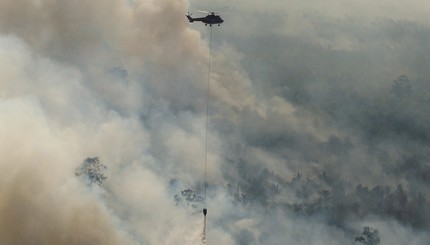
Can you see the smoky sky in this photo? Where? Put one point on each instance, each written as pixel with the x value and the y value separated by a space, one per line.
pixel 318 121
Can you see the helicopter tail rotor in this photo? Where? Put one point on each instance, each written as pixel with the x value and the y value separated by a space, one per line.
pixel 190 19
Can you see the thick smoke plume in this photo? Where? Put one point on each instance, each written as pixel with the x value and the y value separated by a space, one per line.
pixel 318 129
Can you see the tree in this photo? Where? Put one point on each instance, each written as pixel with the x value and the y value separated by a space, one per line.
pixel 92 169
pixel 190 198
pixel 402 87
pixel 369 236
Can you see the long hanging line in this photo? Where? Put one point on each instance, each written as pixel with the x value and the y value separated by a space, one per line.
pixel 207 107
pixel 203 241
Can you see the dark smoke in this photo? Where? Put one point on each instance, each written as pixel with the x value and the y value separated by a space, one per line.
pixel 318 122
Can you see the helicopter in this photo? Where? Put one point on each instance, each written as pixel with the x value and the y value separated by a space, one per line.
pixel 211 18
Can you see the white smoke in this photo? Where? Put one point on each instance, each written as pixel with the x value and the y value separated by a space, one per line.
pixel 126 81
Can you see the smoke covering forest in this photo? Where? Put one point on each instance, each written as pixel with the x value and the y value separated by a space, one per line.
pixel 319 127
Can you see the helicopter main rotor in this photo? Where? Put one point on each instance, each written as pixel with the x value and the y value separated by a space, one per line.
pixel 207 12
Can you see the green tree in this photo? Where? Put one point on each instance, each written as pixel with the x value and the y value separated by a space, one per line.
pixel 402 87
pixel 190 198
pixel 93 170
pixel 369 236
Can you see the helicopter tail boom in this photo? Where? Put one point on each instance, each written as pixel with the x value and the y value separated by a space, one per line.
pixel 190 19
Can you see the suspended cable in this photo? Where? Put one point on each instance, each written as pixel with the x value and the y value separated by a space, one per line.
pixel 207 114
pixel 205 211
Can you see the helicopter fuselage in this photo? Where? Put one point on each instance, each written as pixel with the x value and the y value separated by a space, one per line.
pixel 210 19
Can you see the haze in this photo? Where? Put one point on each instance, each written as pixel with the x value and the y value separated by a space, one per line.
pixel 319 123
